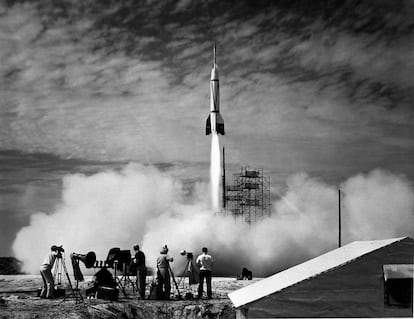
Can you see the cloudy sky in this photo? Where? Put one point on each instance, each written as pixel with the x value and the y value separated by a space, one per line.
pixel 322 87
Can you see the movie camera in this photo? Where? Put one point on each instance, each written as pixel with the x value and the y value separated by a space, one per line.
pixel 59 250
pixel 88 260
pixel 118 258
pixel 188 254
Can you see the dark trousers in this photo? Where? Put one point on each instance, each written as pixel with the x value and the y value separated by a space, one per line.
pixel 48 284
pixel 207 275
pixel 164 285
pixel 141 278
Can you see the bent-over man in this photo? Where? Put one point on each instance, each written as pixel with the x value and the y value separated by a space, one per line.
pixel 46 273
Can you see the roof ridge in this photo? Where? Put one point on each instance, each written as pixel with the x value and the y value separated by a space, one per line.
pixel 306 270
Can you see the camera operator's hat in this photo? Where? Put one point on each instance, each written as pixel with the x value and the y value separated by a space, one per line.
pixel 53 248
pixel 164 250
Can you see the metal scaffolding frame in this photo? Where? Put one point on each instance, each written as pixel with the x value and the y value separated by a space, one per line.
pixel 248 199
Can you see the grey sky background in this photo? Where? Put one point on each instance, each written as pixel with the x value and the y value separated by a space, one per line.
pixel 324 87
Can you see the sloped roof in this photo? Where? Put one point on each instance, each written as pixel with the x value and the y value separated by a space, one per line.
pixel 307 270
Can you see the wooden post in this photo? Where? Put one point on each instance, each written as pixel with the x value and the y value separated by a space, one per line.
pixel 241 313
pixel 339 218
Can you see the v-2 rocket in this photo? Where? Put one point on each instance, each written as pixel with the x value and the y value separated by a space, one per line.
pixel 215 122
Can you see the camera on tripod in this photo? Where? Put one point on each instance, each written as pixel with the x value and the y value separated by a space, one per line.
pixel 59 250
pixel 188 254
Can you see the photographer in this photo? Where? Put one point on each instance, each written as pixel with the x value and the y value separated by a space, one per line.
pixel 46 272
pixel 163 274
pixel 140 270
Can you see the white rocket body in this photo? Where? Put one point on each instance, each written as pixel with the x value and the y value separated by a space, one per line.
pixel 215 122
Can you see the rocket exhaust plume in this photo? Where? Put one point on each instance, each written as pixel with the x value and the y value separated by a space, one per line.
pixel 215 171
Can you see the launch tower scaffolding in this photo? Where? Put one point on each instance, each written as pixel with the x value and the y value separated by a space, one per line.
pixel 248 199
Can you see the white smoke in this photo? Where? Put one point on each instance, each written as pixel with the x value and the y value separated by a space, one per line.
pixel 378 204
pixel 143 205
pixel 215 172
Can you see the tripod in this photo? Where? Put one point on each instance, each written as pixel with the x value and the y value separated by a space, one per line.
pixel 192 276
pixel 175 282
pixel 58 267
pixel 124 277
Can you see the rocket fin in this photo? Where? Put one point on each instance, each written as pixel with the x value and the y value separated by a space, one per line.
pixel 208 126
pixel 219 124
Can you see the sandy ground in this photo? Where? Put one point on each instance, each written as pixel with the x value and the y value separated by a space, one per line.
pixel 19 300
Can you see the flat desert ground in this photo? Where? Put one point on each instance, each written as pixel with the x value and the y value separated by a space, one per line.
pixel 19 299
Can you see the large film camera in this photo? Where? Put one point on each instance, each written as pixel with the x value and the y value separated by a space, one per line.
pixel 88 259
pixel 118 257
pixel 188 254
pixel 59 250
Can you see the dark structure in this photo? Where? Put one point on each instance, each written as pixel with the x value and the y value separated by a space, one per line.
pixel 361 279
pixel 10 266
pixel 248 199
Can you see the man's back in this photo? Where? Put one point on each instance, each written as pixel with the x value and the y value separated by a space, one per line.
pixel 205 261
pixel 140 258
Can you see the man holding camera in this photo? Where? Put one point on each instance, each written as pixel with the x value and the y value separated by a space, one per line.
pixel 46 272
pixel 205 262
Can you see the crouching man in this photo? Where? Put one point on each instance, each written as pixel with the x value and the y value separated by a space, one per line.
pixel 104 281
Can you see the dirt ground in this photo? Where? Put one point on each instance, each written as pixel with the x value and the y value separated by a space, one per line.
pixel 18 299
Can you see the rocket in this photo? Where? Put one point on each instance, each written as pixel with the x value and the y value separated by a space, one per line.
pixel 215 122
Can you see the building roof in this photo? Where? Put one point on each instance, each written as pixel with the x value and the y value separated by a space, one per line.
pixel 306 270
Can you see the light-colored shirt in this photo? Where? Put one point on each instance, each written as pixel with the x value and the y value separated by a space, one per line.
pixel 205 262
pixel 50 259
pixel 163 261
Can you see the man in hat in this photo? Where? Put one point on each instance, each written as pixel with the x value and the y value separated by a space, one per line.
pixel 205 262
pixel 141 270
pixel 163 273
pixel 46 273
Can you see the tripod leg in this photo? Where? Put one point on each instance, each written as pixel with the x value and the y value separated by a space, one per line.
pixel 183 274
pixel 175 282
pixel 119 284
pixel 75 292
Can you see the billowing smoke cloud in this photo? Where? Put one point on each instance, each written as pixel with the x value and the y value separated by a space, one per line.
pixel 378 204
pixel 143 205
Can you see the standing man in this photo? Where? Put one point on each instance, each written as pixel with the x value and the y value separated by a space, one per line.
pixel 46 273
pixel 205 262
pixel 163 274
pixel 141 270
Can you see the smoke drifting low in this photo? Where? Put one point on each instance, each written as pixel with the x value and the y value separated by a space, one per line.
pixel 143 205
